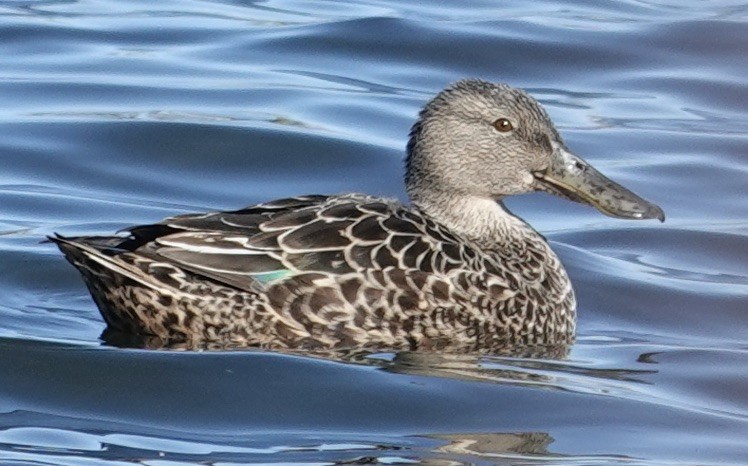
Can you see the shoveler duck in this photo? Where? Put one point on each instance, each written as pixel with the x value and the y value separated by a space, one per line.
pixel 453 267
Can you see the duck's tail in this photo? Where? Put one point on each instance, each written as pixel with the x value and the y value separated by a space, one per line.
pixel 139 293
pixel 99 257
pixel 129 295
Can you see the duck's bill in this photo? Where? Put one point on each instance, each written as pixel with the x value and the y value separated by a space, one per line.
pixel 572 178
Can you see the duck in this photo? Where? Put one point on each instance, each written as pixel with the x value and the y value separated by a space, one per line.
pixel 451 268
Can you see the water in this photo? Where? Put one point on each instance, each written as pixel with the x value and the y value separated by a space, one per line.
pixel 121 113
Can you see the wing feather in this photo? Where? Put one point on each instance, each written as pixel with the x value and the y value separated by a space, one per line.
pixel 330 235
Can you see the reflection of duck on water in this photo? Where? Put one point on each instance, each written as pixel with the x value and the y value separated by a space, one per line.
pixel 455 269
pixel 539 366
pixel 495 444
pixel 464 449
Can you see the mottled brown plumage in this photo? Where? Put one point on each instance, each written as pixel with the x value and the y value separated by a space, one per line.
pixel 454 270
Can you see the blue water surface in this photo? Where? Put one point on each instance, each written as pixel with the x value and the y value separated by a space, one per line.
pixel 121 113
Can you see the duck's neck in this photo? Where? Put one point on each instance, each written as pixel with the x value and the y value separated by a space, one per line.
pixel 482 220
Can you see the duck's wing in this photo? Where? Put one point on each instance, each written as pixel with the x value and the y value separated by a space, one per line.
pixel 245 221
pixel 328 235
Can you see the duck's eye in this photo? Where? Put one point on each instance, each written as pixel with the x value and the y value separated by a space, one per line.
pixel 503 125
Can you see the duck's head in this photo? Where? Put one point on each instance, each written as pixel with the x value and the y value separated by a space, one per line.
pixel 486 140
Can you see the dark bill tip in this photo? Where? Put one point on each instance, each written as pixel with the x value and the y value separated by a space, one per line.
pixel 654 211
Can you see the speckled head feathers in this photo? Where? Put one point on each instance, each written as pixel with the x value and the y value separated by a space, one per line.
pixel 455 147
pixel 471 98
